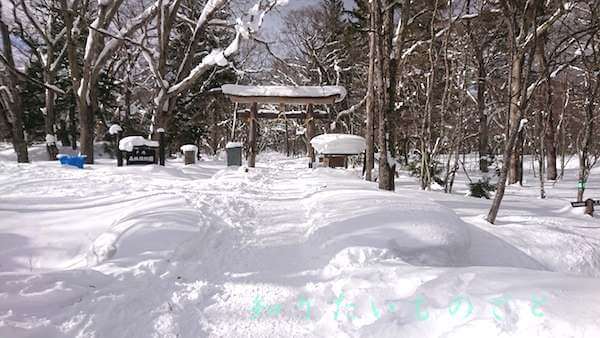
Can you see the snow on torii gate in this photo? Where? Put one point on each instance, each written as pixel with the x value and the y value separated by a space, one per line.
pixel 282 95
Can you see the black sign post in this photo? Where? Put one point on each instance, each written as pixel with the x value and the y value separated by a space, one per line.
pixel 588 204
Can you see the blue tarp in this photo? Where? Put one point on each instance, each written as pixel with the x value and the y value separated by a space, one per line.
pixel 76 161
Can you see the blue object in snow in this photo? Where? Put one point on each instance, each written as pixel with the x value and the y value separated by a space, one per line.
pixel 76 161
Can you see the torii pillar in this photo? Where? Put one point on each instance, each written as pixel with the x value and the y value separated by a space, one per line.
pixel 252 136
pixel 310 132
pixel 287 135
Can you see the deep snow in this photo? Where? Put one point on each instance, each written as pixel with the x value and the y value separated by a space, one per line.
pixel 285 251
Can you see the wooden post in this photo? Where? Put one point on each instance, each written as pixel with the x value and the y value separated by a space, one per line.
pixel 252 136
pixel 310 130
pixel 161 147
pixel 287 139
pixel 287 135
pixel 119 153
pixel 589 207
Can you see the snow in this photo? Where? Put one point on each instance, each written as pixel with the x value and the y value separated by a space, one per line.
pixel 285 251
pixel 233 145
pixel 234 45
pixel 254 10
pixel 54 88
pixel 50 139
pixel 215 57
pixel 522 124
pixel 286 91
pixel 189 147
pixel 127 143
pixel 339 144
pixel 115 129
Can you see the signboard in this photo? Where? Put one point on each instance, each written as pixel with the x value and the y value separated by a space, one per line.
pixel 582 204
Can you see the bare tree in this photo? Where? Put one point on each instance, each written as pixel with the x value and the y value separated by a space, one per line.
pixel 588 48
pixel 47 44
pixel 10 84
pixel 523 32
pixel 98 50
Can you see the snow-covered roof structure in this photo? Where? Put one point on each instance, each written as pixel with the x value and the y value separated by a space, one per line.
pixel 127 143
pixel 285 94
pixel 339 144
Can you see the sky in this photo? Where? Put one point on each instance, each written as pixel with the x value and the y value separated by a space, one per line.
pixel 274 20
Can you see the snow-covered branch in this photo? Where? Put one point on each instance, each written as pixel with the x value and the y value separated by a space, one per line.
pixel 218 57
pixel 352 109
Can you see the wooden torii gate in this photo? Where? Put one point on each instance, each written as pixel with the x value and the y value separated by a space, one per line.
pixel 282 95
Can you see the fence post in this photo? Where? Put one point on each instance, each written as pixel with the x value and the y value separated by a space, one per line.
pixel 161 146
pixel 589 207
pixel 117 131
pixel 119 153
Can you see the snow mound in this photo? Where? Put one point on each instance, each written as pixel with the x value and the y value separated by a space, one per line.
pixel 339 144
pixel 351 218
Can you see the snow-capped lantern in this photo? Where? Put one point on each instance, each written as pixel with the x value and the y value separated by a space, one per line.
pixel 50 140
pixel 115 129
pixel 189 153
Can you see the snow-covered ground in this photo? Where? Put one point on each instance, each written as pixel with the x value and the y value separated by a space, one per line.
pixel 286 251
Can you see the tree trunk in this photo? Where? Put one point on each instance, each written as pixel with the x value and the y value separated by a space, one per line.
pixel 542 126
pixel 214 132
pixel 515 116
pixel 86 130
pixel 370 151
pixel 73 124
pixel 542 148
pixel 310 133
pixel 484 149
pixel 584 166
pixel 581 175
pixel 383 42
pixel 49 120
pixel 12 102
pixel 551 153
pixel 5 126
